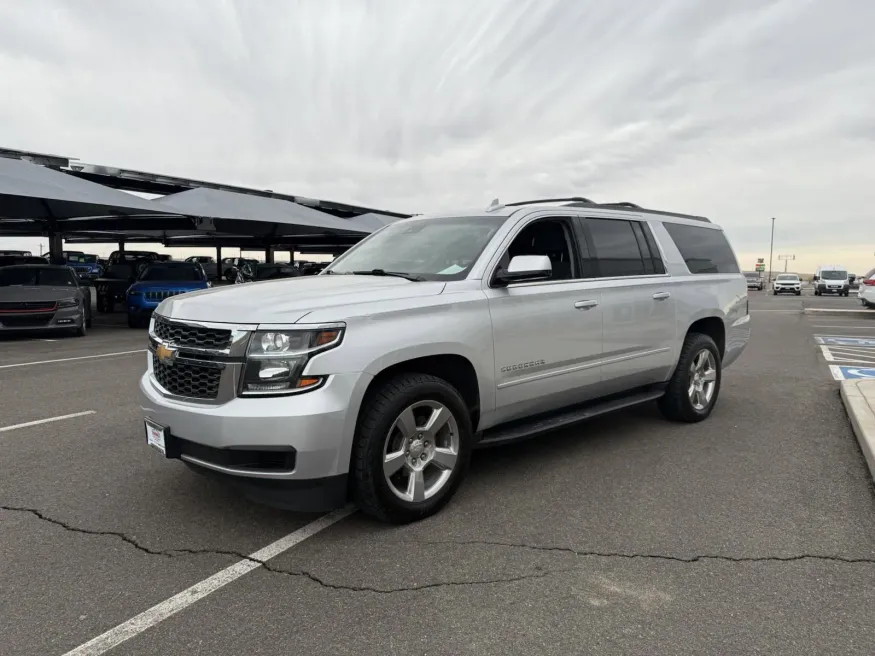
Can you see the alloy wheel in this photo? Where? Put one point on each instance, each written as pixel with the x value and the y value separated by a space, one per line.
pixel 421 451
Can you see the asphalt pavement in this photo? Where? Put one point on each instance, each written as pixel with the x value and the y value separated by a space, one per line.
pixel 752 532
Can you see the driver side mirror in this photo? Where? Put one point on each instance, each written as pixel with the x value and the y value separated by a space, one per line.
pixel 526 268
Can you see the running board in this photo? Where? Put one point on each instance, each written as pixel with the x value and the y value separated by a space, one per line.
pixel 527 428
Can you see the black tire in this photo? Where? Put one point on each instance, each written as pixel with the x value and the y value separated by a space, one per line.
pixel 381 408
pixel 82 330
pixel 133 320
pixel 775 292
pixel 89 320
pixel 798 293
pixel 676 405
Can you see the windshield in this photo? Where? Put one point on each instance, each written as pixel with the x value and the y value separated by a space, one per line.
pixel 36 277
pixel 834 275
pixel 174 273
pixel 432 249
pixel 82 259
pixel 788 276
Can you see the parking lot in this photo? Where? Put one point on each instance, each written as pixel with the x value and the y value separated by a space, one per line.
pixel 752 532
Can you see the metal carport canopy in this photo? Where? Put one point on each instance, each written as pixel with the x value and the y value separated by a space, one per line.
pixel 242 214
pixel 29 192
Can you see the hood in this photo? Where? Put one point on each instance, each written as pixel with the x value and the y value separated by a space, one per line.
pixel 169 284
pixel 37 293
pixel 290 299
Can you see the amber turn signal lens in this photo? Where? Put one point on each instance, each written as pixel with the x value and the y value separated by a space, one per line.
pixel 307 382
pixel 326 337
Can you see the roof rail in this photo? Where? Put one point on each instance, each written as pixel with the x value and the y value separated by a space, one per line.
pixel 631 206
pixel 576 199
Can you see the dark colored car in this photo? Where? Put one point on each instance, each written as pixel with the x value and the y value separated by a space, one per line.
pixel 260 272
pixel 121 272
pixel 6 253
pixel 230 266
pixel 36 297
pixel 208 263
pixel 160 280
pixel 10 260
pixel 312 268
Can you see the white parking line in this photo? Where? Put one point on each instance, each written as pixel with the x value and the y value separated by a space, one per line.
pixel 81 357
pixel 46 421
pixel 147 619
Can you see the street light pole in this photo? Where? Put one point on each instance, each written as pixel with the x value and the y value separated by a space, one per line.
pixel 771 248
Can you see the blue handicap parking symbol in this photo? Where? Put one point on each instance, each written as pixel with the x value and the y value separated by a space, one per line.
pixel 857 372
pixel 838 340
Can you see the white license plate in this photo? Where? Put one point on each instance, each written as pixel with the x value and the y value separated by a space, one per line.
pixel 155 436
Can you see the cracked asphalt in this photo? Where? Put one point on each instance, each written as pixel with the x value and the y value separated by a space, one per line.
pixel 752 532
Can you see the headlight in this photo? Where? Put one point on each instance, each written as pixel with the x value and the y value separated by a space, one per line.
pixel 68 302
pixel 276 359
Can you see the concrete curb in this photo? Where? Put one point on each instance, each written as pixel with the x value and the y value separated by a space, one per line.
pixel 861 312
pixel 859 399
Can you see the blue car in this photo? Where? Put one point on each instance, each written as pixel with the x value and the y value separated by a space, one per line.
pixel 160 280
pixel 87 267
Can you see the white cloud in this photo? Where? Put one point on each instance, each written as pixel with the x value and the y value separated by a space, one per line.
pixel 739 111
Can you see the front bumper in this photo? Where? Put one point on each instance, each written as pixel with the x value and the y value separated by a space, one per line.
pixel 61 319
pixel 789 289
pixel 139 305
pixel 833 289
pixel 317 427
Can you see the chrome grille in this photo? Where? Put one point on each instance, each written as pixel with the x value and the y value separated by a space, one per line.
pixel 184 378
pixel 161 295
pixel 183 335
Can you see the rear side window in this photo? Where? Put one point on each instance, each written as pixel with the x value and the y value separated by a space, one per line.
pixel 622 248
pixel 705 250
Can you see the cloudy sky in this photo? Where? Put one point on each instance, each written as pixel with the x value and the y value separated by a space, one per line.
pixel 738 110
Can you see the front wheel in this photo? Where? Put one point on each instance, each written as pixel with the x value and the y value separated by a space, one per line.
pixel 775 292
pixel 412 448
pixel 798 293
pixel 695 384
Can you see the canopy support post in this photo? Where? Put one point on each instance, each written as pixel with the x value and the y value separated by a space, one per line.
pixel 268 255
pixel 56 246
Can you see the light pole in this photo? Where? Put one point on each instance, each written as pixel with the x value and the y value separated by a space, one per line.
pixel 771 248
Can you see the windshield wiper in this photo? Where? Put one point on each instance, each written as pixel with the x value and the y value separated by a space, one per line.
pixel 394 274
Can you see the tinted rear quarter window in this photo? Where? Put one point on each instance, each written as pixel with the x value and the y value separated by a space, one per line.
pixel 622 248
pixel 705 250
pixel 615 248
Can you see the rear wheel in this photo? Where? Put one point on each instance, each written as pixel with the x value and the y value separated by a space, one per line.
pixel 413 444
pixel 695 384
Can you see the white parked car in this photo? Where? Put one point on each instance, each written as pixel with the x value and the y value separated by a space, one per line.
pixel 787 283
pixel 866 293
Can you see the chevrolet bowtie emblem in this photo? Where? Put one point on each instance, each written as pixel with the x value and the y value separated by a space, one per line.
pixel 166 354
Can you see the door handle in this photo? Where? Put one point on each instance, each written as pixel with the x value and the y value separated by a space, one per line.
pixel 661 296
pixel 585 305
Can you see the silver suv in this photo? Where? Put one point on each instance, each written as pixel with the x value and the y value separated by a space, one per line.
pixel 436 335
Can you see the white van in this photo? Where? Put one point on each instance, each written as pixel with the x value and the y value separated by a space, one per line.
pixel 832 279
